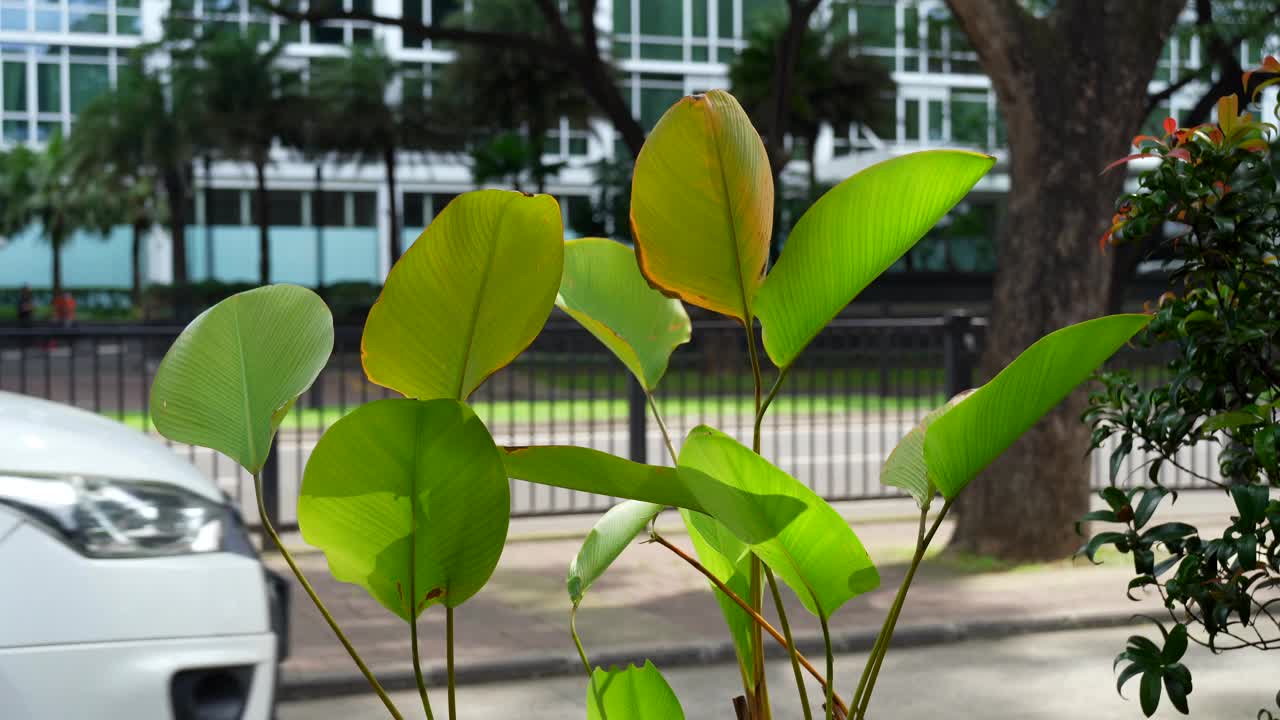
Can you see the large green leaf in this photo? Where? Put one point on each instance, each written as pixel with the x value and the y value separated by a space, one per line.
pixel 971 434
pixel 578 468
pixel 408 499
pixel 729 560
pixel 612 533
pixel 702 205
pixel 468 296
pixel 905 467
pixel 851 235
pixel 633 693
pixel 795 532
pixel 234 372
pixel 603 289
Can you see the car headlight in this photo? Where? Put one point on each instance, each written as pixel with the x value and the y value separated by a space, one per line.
pixel 106 518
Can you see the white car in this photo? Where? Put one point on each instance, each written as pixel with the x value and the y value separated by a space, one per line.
pixel 128 585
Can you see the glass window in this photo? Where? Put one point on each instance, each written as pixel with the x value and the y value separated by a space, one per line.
pixel 969 119
pixel 411 11
pixel 285 207
pixel 876 25
pixel 16 131
pixel 936 112
pixel 15 86
pixel 661 51
pixel 699 17
pixel 48 88
pixel 439 201
pixel 911 27
pixel 46 130
pixel 366 204
pixel 224 207
pixel 654 101
pixel 413 213
pixel 442 9
pixel 724 13
pixel 48 21
pixel 87 22
pixel 884 118
pixel 87 83
pixel 911 117
pixel 622 16
pixel 755 12
pixel 327 34
pixel 13 18
pixel 662 18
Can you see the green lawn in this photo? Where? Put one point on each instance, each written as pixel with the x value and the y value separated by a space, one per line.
pixel 496 413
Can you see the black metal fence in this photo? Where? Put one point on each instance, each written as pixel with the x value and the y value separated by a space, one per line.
pixel 854 393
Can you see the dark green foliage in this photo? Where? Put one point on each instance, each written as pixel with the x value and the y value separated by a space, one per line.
pixel 1216 186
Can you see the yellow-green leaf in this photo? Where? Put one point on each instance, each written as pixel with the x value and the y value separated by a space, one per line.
pixel 632 693
pixel 468 296
pixel 729 560
pixel 593 471
pixel 232 375
pixel 969 435
pixel 851 235
pixel 905 467
pixel 407 498
pixel 795 532
pixel 702 205
pixel 611 534
pixel 603 289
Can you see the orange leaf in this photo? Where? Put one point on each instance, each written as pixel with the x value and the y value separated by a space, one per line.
pixel 1170 125
pixel 1269 65
pixel 1138 140
pixel 1181 154
pixel 1228 113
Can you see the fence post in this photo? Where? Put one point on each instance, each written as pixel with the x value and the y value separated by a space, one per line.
pixel 270 478
pixel 957 358
pixel 637 420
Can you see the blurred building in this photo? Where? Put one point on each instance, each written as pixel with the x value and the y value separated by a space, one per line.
pixel 59 55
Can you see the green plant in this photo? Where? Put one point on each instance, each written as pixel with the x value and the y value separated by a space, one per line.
pixel 1216 184
pixel 407 496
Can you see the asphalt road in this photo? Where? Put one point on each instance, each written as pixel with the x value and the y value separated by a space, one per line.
pixel 1055 675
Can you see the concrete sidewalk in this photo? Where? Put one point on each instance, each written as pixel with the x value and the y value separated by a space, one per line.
pixel 652 605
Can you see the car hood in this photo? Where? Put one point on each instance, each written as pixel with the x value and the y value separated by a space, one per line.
pixel 38 437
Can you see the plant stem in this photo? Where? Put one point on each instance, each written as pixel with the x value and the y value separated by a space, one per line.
pixel 791 644
pixel 755 374
pixel 666 436
pixel 417 667
pixel 311 593
pixel 577 641
pixel 831 666
pixel 448 640
pixel 867 685
pixel 773 392
pixel 760 621
pixel 761 706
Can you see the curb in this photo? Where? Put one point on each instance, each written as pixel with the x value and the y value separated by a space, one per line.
pixel 313 685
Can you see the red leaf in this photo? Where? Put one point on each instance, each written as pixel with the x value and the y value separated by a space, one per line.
pixel 1122 161
pixel 1137 141
pixel 1102 241
pixel 1181 153
pixel 1170 125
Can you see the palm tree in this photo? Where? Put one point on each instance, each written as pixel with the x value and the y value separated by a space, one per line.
pixel 246 100
pixel 499 90
pixel 40 189
pixel 113 141
pixel 832 84
pixel 359 120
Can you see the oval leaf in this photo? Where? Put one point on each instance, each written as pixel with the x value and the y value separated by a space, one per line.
pixel 612 533
pixel 408 499
pixel 593 471
pixel 634 693
pixel 854 233
pixel 702 205
pixel 232 375
pixel 971 434
pixel 729 560
pixel 468 297
pixel 603 289
pixel 795 532
pixel 905 467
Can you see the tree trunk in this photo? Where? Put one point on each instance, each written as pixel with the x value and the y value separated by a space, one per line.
pixel 393 219
pixel 135 265
pixel 1072 89
pixel 175 194
pixel 264 222
pixel 317 219
pixel 208 219
pixel 56 241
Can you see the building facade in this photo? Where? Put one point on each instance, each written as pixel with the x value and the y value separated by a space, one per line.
pixel 57 55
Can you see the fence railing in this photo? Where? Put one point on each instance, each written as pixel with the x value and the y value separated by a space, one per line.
pixel 859 387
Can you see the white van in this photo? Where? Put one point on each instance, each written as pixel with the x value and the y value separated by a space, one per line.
pixel 129 588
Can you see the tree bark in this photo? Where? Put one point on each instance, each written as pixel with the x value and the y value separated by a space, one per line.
pixel 264 222
pixel 56 242
pixel 135 265
pixel 393 216
pixel 175 194
pixel 1072 88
